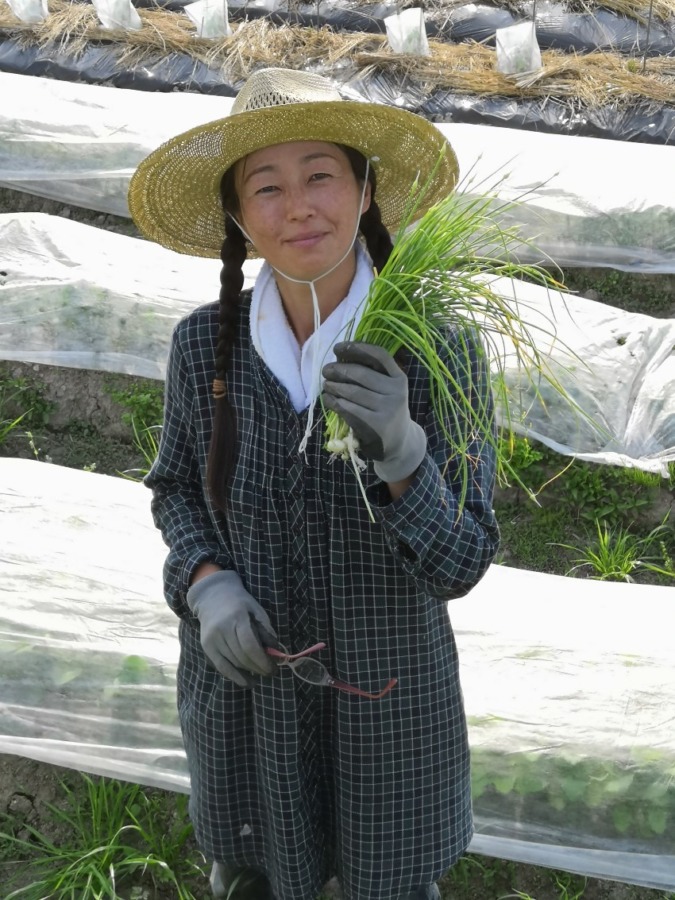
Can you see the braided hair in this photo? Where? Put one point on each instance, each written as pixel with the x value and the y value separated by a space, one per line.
pixel 223 447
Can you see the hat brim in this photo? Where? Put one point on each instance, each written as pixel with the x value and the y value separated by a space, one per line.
pixel 174 195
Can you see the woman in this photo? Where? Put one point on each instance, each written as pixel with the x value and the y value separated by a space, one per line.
pixel 271 548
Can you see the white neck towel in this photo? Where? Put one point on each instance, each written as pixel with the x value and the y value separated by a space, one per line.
pixel 272 336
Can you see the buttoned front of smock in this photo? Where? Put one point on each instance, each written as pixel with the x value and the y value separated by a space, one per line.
pixel 306 782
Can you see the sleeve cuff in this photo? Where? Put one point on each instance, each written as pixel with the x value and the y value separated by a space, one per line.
pixel 187 569
pixel 412 522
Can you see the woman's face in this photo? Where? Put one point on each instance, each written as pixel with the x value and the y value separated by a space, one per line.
pixel 300 204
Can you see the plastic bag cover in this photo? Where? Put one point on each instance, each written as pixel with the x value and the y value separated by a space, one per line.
pixel 66 300
pixel 81 143
pixel 569 694
pixel 73 295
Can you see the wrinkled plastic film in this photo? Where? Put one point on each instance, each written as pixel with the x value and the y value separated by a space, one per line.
pixel 569 698
pixel 80 144
pixel 66 300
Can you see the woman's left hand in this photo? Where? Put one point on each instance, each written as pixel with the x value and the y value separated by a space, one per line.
pixel 367 388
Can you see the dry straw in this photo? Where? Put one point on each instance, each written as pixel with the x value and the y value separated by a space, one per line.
pixel 632 9
pixel 592 80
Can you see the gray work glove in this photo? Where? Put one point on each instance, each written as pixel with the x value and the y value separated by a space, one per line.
pixel 231 624
pixel 369 391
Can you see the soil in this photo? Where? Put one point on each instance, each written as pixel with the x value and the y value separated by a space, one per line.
pixel 27 788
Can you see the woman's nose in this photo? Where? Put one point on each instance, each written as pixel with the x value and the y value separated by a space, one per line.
pixel 298 205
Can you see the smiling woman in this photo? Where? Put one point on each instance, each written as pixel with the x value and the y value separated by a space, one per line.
pixel 270 547
pixel 300 205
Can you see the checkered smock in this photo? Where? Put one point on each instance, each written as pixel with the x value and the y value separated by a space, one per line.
pixel 306 782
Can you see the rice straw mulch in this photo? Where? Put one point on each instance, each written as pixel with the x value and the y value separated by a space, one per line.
pixel 661 10
pixel 593 79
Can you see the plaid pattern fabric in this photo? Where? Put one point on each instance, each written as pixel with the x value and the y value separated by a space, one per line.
pixel 300 781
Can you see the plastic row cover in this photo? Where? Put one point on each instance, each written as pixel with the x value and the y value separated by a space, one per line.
pixel 643 121
pixel 66 299
pixel 81 143
pixel 567 691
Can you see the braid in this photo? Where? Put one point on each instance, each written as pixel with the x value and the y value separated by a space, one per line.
pixel 233 255
pixel 378 239
pixel 379 244
pixel 222 451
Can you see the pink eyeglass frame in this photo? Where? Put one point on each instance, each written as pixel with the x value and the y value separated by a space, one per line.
pixel 288 659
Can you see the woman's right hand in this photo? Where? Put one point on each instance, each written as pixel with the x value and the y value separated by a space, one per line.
pixel 230 620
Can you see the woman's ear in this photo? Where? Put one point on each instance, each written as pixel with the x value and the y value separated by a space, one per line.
pixel 367 195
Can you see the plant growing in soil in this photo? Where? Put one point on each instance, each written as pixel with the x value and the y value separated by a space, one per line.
pixel 616 554
pixel 114 836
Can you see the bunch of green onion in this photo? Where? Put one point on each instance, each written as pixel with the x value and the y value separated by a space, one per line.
pixel 435 289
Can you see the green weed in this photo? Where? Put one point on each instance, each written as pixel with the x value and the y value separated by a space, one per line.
pixel 25 398
pixel 144 413
pixel 21 403
pixel 616 554
pixel 605 493
pixel 520 454
pixel 571 887
pixel 141 403
pixel 146 441
pixel 35 450
pixel 471 870
pixel 527 535
pixel 115 835
pixel 7 426
pixel 640 293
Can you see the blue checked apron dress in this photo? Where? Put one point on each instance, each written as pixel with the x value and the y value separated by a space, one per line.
pixel 306 782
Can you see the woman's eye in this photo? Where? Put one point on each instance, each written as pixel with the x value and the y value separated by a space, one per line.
pixel 319 176
pixel 267 189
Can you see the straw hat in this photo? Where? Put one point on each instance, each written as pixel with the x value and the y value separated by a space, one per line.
pixel 174 195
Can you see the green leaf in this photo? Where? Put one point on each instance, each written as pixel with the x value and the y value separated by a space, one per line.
pixel 504 783
pixel 595 796
pixel 62 674
pixel 573 788
pixel 529 783
pixel 657 819
pixel 621 816
pixel 619 785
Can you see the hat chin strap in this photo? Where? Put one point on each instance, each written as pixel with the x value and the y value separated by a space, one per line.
pixel 317 364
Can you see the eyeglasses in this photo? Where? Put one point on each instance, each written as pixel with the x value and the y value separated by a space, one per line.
pixel 314 672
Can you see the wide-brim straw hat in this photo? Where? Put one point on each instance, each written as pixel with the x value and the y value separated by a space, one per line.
pixel 174 195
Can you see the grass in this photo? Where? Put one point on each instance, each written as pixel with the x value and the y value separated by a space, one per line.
pixel 102 839
pixel 616 554
pixel 21 403
pixel 99 840
pixel 588 519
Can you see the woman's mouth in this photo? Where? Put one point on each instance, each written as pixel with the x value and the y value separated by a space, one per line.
pixel 305 240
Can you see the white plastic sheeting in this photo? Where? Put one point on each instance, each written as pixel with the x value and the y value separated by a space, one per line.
pixel 72 295
pixel 617 368
pixel 584 201
pixel 570 693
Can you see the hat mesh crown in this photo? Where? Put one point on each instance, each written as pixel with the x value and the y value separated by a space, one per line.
pixel 280 87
